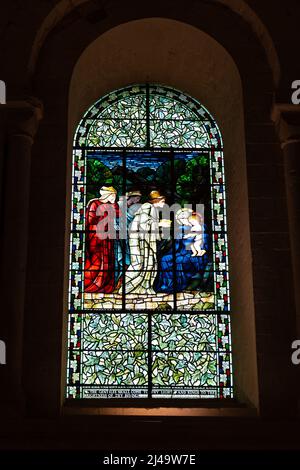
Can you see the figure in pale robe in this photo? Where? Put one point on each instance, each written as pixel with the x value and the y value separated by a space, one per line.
pixel 143 236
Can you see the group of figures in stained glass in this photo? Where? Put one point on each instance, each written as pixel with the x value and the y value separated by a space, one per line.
pixel 149 295
pixel 146 262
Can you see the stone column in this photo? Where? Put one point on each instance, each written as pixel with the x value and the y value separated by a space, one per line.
pixel 19 122
pixel 287 120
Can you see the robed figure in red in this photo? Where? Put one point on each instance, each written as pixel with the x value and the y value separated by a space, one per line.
pixel 99 255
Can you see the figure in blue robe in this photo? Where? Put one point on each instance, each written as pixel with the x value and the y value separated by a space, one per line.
pixel 128 207
pixel 188 268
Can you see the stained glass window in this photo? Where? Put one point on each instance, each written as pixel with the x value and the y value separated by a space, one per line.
pixel 149 305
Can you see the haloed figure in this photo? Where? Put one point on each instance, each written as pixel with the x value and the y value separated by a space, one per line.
pixel 196 234
pixel 100 256
pixel 191 247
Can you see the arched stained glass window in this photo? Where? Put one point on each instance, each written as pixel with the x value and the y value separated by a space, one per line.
pixel 149 311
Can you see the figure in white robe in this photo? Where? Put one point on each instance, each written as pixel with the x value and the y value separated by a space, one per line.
pixel 143 236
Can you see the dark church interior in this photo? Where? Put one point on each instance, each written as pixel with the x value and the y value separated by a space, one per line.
pixel 239 59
